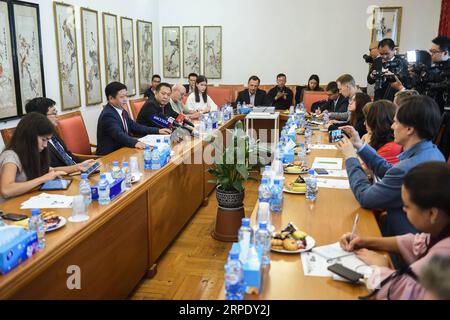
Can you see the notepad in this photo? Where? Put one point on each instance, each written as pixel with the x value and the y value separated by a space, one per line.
pixel 323 147
pixel 332 251
pixel 333 183
pixel 327 163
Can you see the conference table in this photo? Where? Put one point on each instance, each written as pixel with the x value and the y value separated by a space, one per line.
pixel 121 242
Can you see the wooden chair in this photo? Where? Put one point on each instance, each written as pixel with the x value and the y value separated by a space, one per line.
pixel 7 134
pixel 220 96
pixel 310 97
pixel 136 106
pixel 73 131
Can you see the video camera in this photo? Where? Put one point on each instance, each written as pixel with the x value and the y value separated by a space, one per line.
pixel 368 59
pixel 379 67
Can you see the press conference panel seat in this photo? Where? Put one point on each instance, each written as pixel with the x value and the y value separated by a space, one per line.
pixel 136 106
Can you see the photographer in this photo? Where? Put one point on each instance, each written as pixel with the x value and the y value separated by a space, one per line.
pixel 388 72
pixel 369 58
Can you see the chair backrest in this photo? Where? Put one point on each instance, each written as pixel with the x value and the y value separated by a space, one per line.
pixel 136 106
pixel 7 134
pixel 73 131
pixel 309 97
pixel 126 107
pixel 220 96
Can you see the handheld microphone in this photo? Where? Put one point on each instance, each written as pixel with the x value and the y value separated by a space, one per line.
pixel 160 121
pixel 181 118
pixel 176 124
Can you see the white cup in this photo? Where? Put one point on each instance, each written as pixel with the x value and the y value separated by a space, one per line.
pixel 79 211
pixel 134 165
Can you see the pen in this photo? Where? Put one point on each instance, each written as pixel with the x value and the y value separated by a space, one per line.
pixel 354 226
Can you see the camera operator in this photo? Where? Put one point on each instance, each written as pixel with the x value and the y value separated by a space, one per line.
pixel 388 72
pixel 369 58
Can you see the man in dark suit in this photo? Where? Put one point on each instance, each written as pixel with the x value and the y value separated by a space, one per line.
pixel 190 87
pixel 335 103
pixel 150 92
pixel 115 128
pixel 158 106
pixel 280 96
pixel 253 96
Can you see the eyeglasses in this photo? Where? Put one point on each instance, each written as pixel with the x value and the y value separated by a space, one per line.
pixel 433 52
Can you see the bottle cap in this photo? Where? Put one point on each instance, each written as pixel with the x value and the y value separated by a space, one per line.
pixel 246 222
pixel 263 225
pixel 125 164
pixel 234 255
pixel 35 212
pixel 102 176
pixel 311 172
pixel 115 163
pixel 84 176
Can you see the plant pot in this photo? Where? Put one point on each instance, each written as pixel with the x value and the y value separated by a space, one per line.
pixel 230 199
pixel 228 222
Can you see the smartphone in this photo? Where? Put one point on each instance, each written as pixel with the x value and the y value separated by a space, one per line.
pixel 346 273
pixel 93 168
pixel 335 135
pixel 14 216
pixel 321 172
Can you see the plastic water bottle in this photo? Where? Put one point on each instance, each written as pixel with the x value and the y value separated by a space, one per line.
pixel 202 129
pixel 308 135
pixel 103 190
pixel 36 223
pixel 85 189
pixel 263 214
pixel 147 158
pixel 115 172
pixel 234 278
pixel 326 117
pixel 311 186
pixel 245 237
pixel 263 240
pixel 276 201
pixel 156 159
pixel 302 154
pixel 126 174
pixel 264 192
pixel 238 108
pixel 297 109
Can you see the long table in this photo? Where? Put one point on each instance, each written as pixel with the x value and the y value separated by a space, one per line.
pixel 121 242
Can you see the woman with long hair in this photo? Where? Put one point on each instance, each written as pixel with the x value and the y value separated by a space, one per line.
pixel 313 85
pixel 199 101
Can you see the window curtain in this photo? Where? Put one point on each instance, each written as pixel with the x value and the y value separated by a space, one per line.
pixel 444 25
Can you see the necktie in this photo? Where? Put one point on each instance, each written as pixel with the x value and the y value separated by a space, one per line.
pixel 124 121
pixel 64 155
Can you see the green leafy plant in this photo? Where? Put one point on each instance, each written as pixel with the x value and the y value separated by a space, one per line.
pixel 232 166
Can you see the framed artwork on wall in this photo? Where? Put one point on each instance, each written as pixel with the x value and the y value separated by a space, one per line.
pixel 91 56
pixel 387 22
pixel 191 50
pixel 128 64
pixel 145 54
pixel 111 46
pixel 212 52
pixel 171 52
pixel 66 44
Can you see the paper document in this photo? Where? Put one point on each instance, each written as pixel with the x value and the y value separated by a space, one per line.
pixel 151 138
pixel 48 201
pixel 331 251
pixel 333 183
pixel 327 163
pixel 323 147
pixel 334 174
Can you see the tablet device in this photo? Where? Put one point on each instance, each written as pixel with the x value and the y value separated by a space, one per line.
pixel 57 184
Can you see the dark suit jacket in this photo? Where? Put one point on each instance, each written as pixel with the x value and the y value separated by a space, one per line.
pixel 280 104
pixel 244 96
pixel 149 93
pixel 56 160
pixel 341 105
pixel 151 107
pixel 111 134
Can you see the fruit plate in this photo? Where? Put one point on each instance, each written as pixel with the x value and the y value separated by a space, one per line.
pixel 310 243
pixel 296 170
pixel 55 226
pixel 293 192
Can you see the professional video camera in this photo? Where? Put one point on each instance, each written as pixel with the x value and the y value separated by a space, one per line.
pixel 368 59
pixel 380 73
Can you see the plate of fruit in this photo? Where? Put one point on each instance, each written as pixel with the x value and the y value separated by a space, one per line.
pixel 296 169
pixel 292 240
pixel 53 223
pixel 296 187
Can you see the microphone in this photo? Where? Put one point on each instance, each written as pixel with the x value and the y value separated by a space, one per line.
pixel 161 121
pixel 176 124
pixel 181 118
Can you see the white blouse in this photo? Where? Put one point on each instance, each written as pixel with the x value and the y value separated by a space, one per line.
pixel 200 106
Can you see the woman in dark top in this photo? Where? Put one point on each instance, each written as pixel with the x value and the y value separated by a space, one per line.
pixel 313 85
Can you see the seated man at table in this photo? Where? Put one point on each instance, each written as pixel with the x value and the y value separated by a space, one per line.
pixel 336 102
pixel 190 87
pixel 176 97
pixel 415 125
pixel 280 96
pixel 159 106
pixel 150 92
pixel 252 96
pixel 115 129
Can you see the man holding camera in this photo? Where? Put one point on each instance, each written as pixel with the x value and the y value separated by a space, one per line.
pixel 388 71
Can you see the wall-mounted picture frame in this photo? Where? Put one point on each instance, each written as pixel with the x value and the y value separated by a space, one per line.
pixel 387 23
pixel 212 52
pixel 111 47
pixel 191 50
pixel 145 54
pixel 171 52
pixel 128 62
pixel 66 44
pixel 8 99
pixel 28 48
pixel 91 56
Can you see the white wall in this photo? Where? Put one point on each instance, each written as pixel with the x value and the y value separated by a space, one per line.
pixel 298 37
pixel 135 9
pixel 263 37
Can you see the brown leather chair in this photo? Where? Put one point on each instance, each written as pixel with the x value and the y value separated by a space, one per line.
pixel 7 134
pixel 73 131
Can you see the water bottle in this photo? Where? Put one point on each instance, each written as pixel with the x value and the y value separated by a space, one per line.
pixel 103 190
pixel 264 192
pixel 276 200
pixel 85 189
pixel 245 237
pixel 156 159
pixel 234 278
pixel 36 223
pixel 115 172
pixel 326 117
pixel 297 109
pixel 289 155
pixel 263 214
pixel 213 119
pixel 238 108
pixel 308 135
pixel 263 240
pixel 267 173
pixel 147 158
pixel 126 174
pixel 311 186
pixel 302 154
pixel 2 224
pixel 203 128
